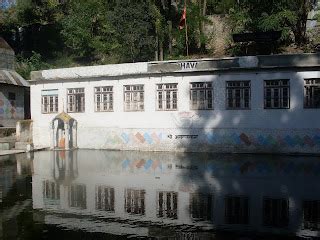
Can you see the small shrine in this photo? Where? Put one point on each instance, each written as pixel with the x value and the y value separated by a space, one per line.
pixel 64 132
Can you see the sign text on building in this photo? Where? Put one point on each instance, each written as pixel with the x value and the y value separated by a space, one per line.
pixel 188 65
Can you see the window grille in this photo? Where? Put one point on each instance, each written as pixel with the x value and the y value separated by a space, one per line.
pixel 12 96
pixel 312 93
pixel 49 101
pixel 311 215
pixel 133 98
pixel 103 99
pixel 78 196
pixel 105 198
pixel 76 100
pixel 167 97
pixel 276 94
pixel 167 206
pixel 275 212
pixel 201 206
pixel 135 201
pixel 201 96
pixel 236 210
pixel 51 190
pixel 238 94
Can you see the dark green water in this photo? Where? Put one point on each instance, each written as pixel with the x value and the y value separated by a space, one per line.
pixel 118 195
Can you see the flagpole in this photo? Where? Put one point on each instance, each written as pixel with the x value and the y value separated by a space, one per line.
pixel 186 27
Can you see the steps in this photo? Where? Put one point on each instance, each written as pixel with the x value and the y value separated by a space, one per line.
pixel 7 142
pixel 18 138
pixel 6 145
pixel 23 146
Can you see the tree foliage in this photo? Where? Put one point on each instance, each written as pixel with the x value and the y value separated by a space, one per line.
pixel 265 15
pixel 112 31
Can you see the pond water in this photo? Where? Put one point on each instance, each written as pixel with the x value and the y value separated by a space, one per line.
pixel 92 194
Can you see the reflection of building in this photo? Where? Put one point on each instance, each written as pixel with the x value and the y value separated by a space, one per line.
pixel 124 188
pixel 14 90
pixel 15 194
pixel 242 104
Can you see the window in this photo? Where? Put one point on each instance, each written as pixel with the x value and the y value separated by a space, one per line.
pixel 75 100
pixel 237 210
pixel 135 201
pixel 103 99
pixel 201 206
pixel 51 190
pixel 167 96
pixel 275 212
pixel 133 98
pixel 12 96
pixel 238 95
pixel 49 101
pixel 105 198
pixel 312 93
pixel 201 96
pixel 167 206
pixel 276 94
pixel 311 215
pixel 78 196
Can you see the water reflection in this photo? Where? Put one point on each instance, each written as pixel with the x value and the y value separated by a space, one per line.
pixel 134 193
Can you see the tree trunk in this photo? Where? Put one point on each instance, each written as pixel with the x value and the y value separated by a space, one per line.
pixel 301 25
pixel 170 36
pixel 161 51
pixel 156 52
pixel 203 10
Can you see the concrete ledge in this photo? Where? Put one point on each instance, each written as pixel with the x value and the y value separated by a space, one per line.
pixel 7 145
pixel 9 152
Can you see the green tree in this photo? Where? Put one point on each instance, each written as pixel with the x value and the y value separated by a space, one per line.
pixel 134 30
pixel 264 15
pixel 86 28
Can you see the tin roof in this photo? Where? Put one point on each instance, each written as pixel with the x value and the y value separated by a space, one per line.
pixel 13 78
pixel 195 66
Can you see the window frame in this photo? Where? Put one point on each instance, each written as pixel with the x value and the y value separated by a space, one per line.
pixel 140 202
pixel 164 93
pixel 101 94
pixel 165 210
pixel 244 219
pixel 242 98
pixel 208 207
pixel 102 205
pixel 280 87
pixel 206 88
pixel 77 199
pixel 12 96
pixel 315 83
pixel 280 223
pixel 47 98
pixel 311 215
pixel 74 95
pixel 134 105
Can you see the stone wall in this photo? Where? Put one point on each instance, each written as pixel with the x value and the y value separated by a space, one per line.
pixel 11 110
pixel 24 131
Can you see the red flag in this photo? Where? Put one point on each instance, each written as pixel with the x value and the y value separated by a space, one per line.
pixel 183 18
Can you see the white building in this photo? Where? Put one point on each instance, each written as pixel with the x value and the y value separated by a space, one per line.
pixel 243 104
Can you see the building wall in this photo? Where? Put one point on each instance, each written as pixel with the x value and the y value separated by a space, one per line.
pixel 11 111
pixel 219 130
